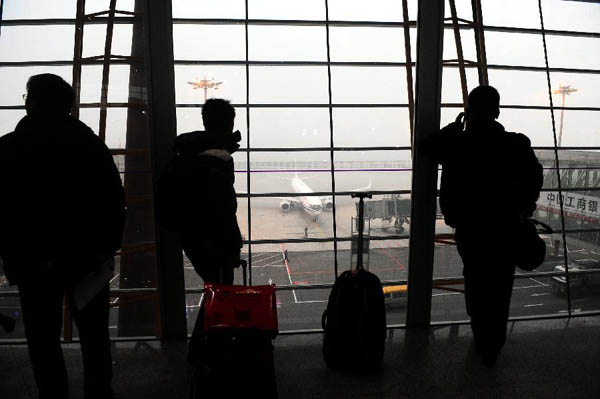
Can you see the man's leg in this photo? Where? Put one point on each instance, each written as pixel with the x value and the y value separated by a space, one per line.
pixel 92 323
pixel 41 304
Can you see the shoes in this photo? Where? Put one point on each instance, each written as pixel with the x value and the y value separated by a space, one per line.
pixel 488 356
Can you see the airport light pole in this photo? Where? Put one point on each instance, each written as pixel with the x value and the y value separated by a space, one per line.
pixel 563 91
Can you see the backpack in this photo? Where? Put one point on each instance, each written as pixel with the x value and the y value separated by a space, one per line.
pixel 354 322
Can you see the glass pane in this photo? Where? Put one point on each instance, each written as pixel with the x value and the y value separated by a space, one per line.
pixel 495 13
pixel 520 87
pixel 368 85
pixel 289 85
pixel 116 123
pixel 372 170
pixel 209 42
pixel 535 296
pixel 287 43
pixel 587 86
pixel 37 43
pixel 524 49
pixel 451 84
pixel 209 9
pixel 560 15
pixel 301 309
pixel 14 81
pixel 9 119
pixel 241 177
pixel 35 9
pixel 221 81
pixel 467 43
pixel 287 9
pixel 367 44
pixel 573 52
pixel 376 10
pixel 104 5
pixel 118 84
pixel 94 40
pixel 362 127
pixel 290 127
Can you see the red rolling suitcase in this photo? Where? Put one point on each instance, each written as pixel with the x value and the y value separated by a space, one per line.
pixel 233 354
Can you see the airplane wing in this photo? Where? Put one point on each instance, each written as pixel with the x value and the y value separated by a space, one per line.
pixel 366 188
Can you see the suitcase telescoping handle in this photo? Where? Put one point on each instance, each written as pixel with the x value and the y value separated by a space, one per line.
pixel 244 265
pixel 361 225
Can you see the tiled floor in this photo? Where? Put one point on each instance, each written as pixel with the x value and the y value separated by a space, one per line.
pixel 542 359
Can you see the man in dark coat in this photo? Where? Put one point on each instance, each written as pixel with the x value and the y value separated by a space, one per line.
pixel 62 210
pixel 196 195
pixel 491 180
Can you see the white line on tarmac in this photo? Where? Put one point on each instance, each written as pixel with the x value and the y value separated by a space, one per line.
pixel 595 253
pixel 287 267
pixel 113 279
pixel 542 294
pixel 539 282
pixel 316 301
pixel 447 293
pixel 529 286
pixel 537 304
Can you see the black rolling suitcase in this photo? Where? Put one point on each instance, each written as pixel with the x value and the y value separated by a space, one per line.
pixel 232 362
pixel 354 322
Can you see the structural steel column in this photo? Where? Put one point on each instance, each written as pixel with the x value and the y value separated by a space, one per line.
pixel 430 33
pixel 163 130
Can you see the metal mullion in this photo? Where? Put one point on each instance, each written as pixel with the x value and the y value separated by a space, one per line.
pixel 459 52
pixel 480 42
pixel 570 189
pixel 65 21
pixel 295 63
pixel 248 171
pixel 566 148
pixel 326 239
pixel 318 194
pixel 1 13
pixel 289 22
pixel 297 105
pixel 111 105
pixel 77 56
pixel 509 29
pixel 106 70
pixel 307 149
pixel 556 158
pixel 409 75
pixel 542 69
pixel 568 231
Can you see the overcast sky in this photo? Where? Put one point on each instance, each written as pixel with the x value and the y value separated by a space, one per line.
pixel 309 127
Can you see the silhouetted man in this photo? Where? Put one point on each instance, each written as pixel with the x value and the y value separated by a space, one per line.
pixel 491 179
pixel 62 210
pixel 197 198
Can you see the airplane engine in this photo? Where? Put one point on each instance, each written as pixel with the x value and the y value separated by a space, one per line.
pixel 285 205
pixel 328 204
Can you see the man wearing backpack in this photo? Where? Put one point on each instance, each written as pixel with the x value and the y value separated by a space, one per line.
pixel 196 195
pixel 490 181
pixel 63 211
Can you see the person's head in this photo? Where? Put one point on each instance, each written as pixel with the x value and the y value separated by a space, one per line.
pixel 483 103
pixel 48 94
pixel 218 115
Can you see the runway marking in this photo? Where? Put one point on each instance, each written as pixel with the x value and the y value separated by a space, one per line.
pixel 447 293
pixel 542 294
pixel 529 286
pixel 389 255
pixel 595 253
pixel 537 304
pixel 315 272
pixel 315 301
pixel 287 266
pixel 320 229
pixel 113 279
pixel 539 282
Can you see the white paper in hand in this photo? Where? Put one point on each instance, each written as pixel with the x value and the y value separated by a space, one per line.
pixel 93 283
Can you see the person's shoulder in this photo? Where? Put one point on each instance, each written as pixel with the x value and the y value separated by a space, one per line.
pixel 519 139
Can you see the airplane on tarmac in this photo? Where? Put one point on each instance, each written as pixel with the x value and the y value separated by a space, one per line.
pixel 312 205
pixel 205 84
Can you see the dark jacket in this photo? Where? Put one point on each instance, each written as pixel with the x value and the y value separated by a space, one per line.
pixel 62 197
pixel 196 195
pixel 491 178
